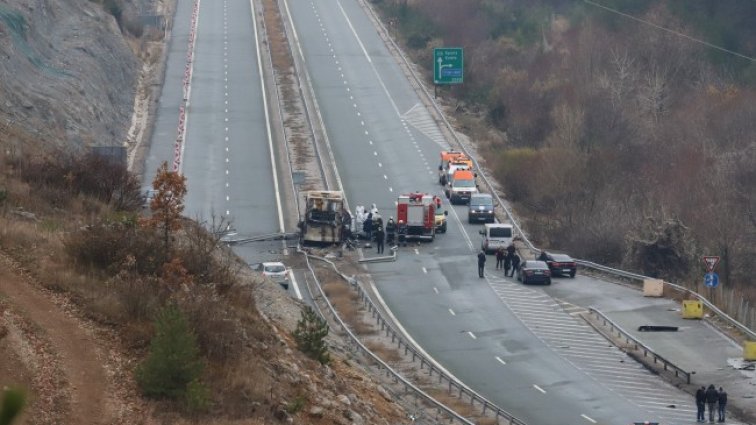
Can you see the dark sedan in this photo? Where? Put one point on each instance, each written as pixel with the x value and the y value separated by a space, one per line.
pixel 534 271
pixel 560 264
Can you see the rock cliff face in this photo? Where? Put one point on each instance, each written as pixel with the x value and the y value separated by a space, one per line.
pixel 67 76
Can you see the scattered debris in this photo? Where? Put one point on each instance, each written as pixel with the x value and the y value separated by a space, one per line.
pixel 656 328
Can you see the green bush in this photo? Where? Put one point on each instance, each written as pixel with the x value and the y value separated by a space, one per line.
pixel 197 397
pixel 295 406
pixel 12 404
pixel 174 362
pixel 310 336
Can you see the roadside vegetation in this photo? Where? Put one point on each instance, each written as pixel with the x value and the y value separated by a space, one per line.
pixel 169 288
pixel 615 141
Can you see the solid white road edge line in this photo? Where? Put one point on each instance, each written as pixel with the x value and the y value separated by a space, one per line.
pixel 267 119
pixel 296 287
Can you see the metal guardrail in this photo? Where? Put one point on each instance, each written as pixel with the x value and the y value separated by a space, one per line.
pixel 381 364
pixel 454 386
pixel 509 213
pixel 647 351
pixel 685 291
pixel 722 315
pixel 261 238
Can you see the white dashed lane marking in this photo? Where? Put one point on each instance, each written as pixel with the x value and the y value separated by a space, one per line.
pixel 556 323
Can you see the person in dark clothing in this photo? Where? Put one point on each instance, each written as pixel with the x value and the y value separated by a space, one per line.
pixel 367 226
pixel 380 236
pixel 511 249
pixel 543 256
pixel 481 262
pixel 500 258
pixel 701 404
pixel 390 231
pixel 401 231
pixel 712 397
pixel 515 264
pixel 722 404
pixel 507 264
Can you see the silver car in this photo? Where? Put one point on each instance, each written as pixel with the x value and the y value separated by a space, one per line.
pixel 277 272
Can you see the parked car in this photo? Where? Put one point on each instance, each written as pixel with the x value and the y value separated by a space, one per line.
pixel 534 271
pixel 559 264
pixel 481 208
pixel 276 271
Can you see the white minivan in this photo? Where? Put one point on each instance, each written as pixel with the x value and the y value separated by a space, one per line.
pixel 495 236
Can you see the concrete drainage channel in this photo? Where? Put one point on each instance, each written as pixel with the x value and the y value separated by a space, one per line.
pixel 452 387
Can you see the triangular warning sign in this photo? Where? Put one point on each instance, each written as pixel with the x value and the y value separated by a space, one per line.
pixel 711 262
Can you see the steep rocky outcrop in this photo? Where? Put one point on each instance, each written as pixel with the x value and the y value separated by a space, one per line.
pixel 67 76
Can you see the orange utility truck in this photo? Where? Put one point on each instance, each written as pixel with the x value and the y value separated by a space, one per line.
pixel 461 186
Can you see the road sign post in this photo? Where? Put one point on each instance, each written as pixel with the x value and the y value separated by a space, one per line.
pixel 448 66
pixel 711 262
pixel 711 280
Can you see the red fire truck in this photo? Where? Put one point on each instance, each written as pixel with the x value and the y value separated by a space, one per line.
pixel 417 212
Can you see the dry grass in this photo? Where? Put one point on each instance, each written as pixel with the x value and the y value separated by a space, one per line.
pixel 387 354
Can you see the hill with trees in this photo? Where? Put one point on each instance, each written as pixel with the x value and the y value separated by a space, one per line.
pixel 622 130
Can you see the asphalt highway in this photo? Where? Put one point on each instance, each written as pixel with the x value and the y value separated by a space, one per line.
pixel 226 156
pixel 505 341
pixel 518 346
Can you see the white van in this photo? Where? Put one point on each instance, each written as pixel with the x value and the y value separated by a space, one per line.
pixel 495 236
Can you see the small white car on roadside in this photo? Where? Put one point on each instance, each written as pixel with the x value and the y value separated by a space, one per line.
pixel 276 271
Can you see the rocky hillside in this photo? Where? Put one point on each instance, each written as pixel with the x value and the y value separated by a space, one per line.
pixel 67 75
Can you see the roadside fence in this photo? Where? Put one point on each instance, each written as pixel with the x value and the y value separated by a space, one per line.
pixel 454 387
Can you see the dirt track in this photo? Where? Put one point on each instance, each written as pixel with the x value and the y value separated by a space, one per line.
pixel 82 384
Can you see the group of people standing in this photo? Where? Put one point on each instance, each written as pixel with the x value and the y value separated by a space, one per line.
pixel 506 259
pixel 711 398
pixel 392 232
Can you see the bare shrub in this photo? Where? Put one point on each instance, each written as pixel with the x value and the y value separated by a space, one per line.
pixel 220 336
pixel 139 297
pixel 512 170
pixel 387 354
pixel 245 383
pixel 58 178
pixel 664 250
pixel 205 256
pixel 108 246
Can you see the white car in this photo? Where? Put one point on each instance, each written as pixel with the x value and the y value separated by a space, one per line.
pixel 276 271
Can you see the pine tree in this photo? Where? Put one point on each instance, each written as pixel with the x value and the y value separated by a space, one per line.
pixel 174 359
pixel 310 336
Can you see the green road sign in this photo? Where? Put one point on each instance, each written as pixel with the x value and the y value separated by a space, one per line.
pixel 448 65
